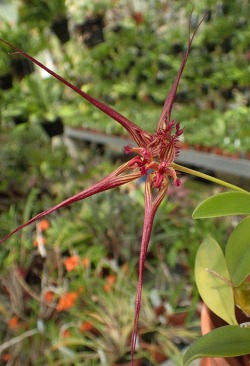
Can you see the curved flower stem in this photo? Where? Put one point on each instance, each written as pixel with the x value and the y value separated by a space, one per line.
pixel 183 169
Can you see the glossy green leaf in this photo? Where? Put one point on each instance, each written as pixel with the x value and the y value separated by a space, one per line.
pixel 227 341
pixel 224 204
pixel 238 252
pixel 215 291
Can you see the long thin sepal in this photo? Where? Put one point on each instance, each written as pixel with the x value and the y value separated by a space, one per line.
pixel 110 181
pixel 168 105
pixel 151 207
pixel 137 133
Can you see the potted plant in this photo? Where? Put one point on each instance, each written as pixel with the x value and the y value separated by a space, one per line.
pixel 20 36
pixel 59 24
pixel 45 99
pixel 16 108
pixel 40 14
pixel 5 71
pixel 224 286
pixel 209 322
pixel 90 30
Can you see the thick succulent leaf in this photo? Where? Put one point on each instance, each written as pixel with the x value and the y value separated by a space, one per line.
pixel 227 341
pixel 238 252
pixel 215 292
pixel 224 204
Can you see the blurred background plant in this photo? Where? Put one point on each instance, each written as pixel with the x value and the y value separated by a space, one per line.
pixel 64 283
pixel 135 59
pixel 65 292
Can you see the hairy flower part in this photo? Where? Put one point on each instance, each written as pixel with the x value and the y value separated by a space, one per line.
pixel 151 206
pixel 155 155
pixel 155 160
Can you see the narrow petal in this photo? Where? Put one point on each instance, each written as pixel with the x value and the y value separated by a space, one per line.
pixel 167 108
pixel 151 207
pixel 110 181
pixel 138 134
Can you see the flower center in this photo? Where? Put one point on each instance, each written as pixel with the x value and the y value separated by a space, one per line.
pixel 157 157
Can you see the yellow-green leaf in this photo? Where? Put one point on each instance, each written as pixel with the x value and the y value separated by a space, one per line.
pixel 224 204
pixel 238 252
pixel 242 296
pixel 216 292
pixel 227 341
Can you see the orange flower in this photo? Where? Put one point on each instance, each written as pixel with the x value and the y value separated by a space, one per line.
pixel 66 333
pixel 6 357
pixel 67 301
pixel 71 263
pixel 110 280
pixel 86 326
pixel 86 262
pixel 43 225
pixel 49 296
pixel 14 322
pixel 80 289
pixel 35 242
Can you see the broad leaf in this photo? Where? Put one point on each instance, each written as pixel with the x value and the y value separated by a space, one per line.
pixel 227 341
pixel 224 204
pixel 215 292
pixel 238 252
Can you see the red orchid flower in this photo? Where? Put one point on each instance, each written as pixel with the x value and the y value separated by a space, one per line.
pixel 155 155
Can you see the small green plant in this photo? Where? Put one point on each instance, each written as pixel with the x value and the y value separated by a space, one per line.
pixel 87 8
pixel 41 13
pixel 45 98
pixel 222 277
pixel 4 63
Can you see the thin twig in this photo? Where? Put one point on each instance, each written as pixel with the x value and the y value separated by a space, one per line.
pixel 18 339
